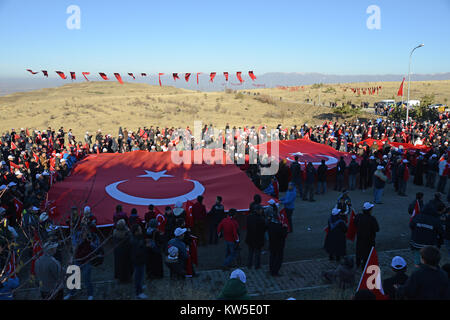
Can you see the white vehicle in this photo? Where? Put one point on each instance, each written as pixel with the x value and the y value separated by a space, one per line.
pixel 388 102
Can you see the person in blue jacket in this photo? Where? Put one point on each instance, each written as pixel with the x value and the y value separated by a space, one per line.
pixel 288 202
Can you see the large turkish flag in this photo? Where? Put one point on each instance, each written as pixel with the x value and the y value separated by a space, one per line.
pixel 138 179
pixel 306 151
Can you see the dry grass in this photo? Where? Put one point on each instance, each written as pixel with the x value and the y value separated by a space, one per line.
pixel 108 105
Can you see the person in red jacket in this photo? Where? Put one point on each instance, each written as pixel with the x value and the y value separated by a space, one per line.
pixel 229 227
pixel 199 215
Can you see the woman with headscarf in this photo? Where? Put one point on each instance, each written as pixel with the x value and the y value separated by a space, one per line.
pixel 335 241
pixel 123 268
pixel 154 265
pixel 235 288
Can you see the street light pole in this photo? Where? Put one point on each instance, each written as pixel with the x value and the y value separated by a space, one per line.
pixel 409 80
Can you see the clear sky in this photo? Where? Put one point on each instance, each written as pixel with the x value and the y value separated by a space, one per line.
pixel 203 36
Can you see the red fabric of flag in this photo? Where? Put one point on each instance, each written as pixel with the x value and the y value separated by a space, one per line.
pixel 118 77
pixel 61 74
pixel 175 76
pixel 371 277
pixel 284 220
pixel 86 74
pixel 186 76
pixel 45 73
pixel 143 74
pixel 131 75
pixel 250 73
pixel 400 90
pixel 72 75
pixel 197 76
pixel 416 210
pixel 211 76
pixel 351 230
pixel 226 76
pixel 238 75
pixel 31 71
pixel 159 78
pixel 13 146
pixel 103 76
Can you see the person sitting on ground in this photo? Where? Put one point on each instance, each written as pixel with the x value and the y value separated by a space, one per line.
pixel 235 288
pixel 343 275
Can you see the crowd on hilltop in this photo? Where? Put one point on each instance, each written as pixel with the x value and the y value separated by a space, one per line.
pixel 31 162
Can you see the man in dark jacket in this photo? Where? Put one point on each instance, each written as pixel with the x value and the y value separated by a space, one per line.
pixel 340 174
pixel 419 201
pixel 138 258
pixel 426 230
pixel 199 215
pixel 256 228
pixel 309 183
pixel 432 170
pixel 335 241
pixel 364 173
pixel 322 178
pixel 367 228
pixel 215 215
pixel 277 238
pixel 296 171
pixel 353 169
pixel 429 282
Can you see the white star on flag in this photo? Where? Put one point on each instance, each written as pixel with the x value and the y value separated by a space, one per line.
pixel 155 175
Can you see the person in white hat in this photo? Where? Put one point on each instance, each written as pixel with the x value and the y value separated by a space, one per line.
pixel 403 177
pixel 353 170
pixel 400 277
pixel 335 240
pixel 235 288
pixel 367 227
pixel 379 182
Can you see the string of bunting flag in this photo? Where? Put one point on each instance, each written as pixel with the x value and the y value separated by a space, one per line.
pixel 369 91
pixel 175 76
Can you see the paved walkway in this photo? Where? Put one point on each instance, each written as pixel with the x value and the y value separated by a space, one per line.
pixel 296 276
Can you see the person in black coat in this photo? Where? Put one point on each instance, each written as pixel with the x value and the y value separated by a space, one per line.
pixel 215 215
pixel 309 182
pixel 322 178
pixel 283 176
pixel 139 259
pixel 277 238
pixel 154 265
pixel 372 168
pixel 418 174
pixel 256 228
pixel 123 267
pixel 429 282
pixel 340 174
pixel 335 240
pixel 367 228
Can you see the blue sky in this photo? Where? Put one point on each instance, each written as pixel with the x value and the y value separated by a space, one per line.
pixel 204 36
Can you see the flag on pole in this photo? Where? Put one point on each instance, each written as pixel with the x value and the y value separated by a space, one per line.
pixel 371 277
pixel 159 78
pixel 400 90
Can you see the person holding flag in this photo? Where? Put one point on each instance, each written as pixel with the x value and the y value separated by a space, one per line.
pixel 335 240
pixel 367 228
pixel 416 206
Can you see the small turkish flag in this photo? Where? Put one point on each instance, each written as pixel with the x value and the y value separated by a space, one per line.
pixel 211 76
pixel 13 146
pixel 416 210
pixel 72 75
pixel 103 75
pixel 250 73
pixel 118 77
pixel 186 76
pixel 189 218
pixel 226 76
pixel 61 74
pixel 351 231
pixel 284 220
pixel 131 75
pixel 175 76
pixel 371 277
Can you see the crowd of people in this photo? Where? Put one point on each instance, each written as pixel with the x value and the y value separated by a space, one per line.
pixel 30 163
